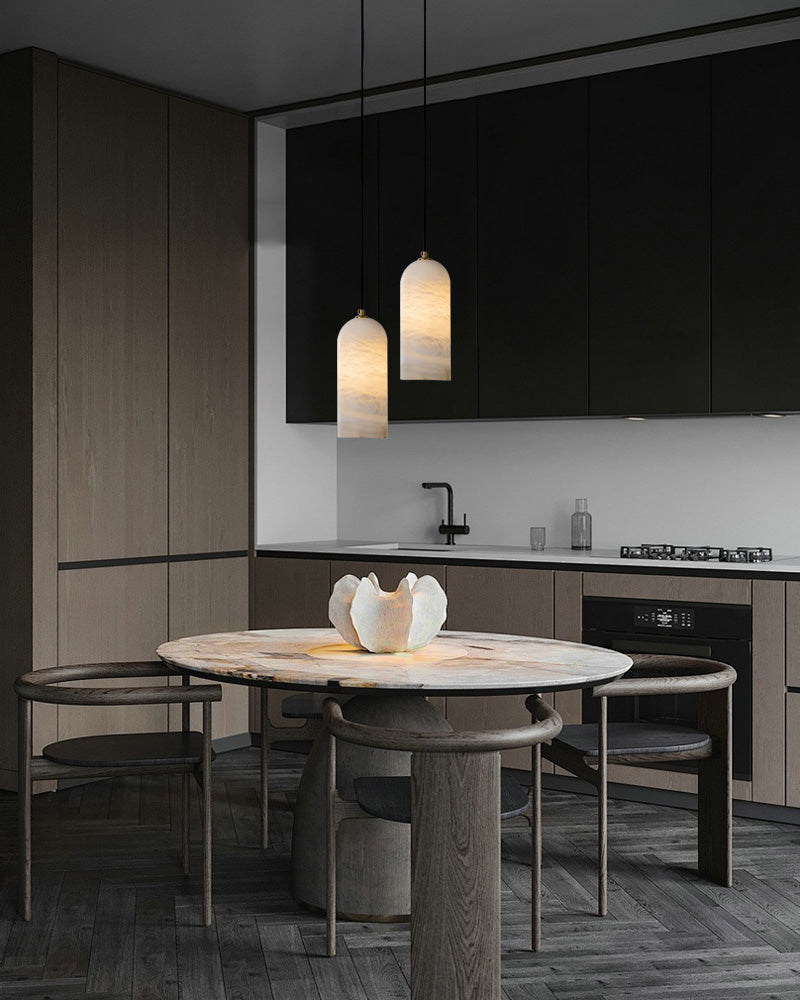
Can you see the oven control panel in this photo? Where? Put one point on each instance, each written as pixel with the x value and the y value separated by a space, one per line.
pixel 664 618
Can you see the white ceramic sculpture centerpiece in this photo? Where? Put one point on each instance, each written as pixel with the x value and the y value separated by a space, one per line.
pixel 387 622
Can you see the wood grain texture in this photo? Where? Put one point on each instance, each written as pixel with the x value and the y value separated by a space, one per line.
pixel 508 601
pixel 211 595
pixel 115 613
pixel 288 593
pixel 793 634
pixel 388 573
pixel 455 876
pixel 769 691
pixel 708 589
pixel 567 624
pixel 793 749
pixel 667 934
pixel 112 300
pixel 209 317
pixel 28 192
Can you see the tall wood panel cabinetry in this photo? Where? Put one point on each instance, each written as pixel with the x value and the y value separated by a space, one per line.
pixel 129 387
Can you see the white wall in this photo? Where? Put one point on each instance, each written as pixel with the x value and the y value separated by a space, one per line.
pixel 707 480
pixel 295 463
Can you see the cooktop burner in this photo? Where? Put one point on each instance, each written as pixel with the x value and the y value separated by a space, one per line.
pixel 696 553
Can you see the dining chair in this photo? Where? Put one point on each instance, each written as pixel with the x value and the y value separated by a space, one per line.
pixel 586 750
pixel 392 798
pixel 112 755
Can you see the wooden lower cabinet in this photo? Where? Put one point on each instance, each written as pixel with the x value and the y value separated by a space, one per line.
pixel 505 601
pixel 289 593
pixel 211 595
pixel 111 613
pixel 793 748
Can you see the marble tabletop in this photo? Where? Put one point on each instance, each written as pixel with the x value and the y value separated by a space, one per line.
pixel 463 662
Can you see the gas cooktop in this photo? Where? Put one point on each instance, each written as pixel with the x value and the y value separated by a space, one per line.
pixel 696 553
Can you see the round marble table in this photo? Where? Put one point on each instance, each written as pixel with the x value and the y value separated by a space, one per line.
pixel 463 663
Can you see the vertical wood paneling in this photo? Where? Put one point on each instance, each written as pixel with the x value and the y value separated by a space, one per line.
pixel 211 595
pixel 492 599
pixel 769 691
pixel 567 624
pixel 113 613
pixel 209 276
pixel 793 749
pixel 112 171
pixel 288 593
pixel 793 634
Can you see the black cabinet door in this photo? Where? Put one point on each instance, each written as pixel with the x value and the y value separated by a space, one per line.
pixel 649 240
pixel 323 248
pixel 756 230
pixel 451 241
pixel 532 222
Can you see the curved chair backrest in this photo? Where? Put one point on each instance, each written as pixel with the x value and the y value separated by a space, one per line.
pixel 653 673
pixel 38 685
pixel 548 724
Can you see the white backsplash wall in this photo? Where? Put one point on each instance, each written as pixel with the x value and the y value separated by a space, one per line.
pixel 707 480
pixel 295 463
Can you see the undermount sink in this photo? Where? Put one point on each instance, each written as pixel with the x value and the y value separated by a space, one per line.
pixel 406 546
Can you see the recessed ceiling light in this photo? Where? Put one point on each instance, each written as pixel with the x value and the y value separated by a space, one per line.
pixel 636 418
pixel 773 416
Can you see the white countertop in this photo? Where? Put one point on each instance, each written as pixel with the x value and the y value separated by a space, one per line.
pixel 464 552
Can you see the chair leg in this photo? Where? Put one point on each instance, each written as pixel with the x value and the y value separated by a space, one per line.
pixel 330 848
pixel 24 796
pixel 714 791
pixel 264 767
pixel 602 810
pixel 185 823
pixel 185 852
pixel 536 847
pixel 207 813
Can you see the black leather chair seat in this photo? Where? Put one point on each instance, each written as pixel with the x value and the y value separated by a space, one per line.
pixel 634 738
pixel 390 797
pixel 128 750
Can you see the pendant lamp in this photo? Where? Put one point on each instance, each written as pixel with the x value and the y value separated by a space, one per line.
pixel 425 283
pixel 362 357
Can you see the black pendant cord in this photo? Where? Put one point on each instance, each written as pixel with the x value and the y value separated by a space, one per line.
pixel 363 241
pixel 424 125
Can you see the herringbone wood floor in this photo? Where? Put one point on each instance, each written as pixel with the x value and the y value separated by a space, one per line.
pixel 114 918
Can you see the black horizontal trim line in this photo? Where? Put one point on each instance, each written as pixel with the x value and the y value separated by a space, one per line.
pixel 657 568
pixel 544 60
pixel 145 560
pixel 793 690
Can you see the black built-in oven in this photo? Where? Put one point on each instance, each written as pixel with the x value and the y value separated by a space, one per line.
pixel 716 631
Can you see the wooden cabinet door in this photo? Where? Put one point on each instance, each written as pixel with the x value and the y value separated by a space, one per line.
pixel 112 313
pixel 532 233
pixel 323 256
pixel 649 240
pixel 211 595
pixel 291 593
pixel 755 225
pixel 209 329
pixel 451 171
pixel 491 599
pixel 389 574
pixel 111 614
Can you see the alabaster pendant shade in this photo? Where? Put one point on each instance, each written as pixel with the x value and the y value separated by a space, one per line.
pixel 362 379
pixel 425 321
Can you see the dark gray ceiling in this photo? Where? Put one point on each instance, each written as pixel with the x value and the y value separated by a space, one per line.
pixel 250 54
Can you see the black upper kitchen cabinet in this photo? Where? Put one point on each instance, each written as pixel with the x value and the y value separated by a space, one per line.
pixel 649 240
pixel 756 230
pixel 532 248
pixel 451 241
pixel 323 252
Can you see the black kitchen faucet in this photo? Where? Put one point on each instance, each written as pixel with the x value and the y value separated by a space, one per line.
pixel 449 529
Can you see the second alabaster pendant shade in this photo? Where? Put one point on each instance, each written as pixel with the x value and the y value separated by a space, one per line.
pixel 362 379
pixel 425 321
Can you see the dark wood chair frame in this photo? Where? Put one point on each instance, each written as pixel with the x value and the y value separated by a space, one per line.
pixel 38 686
pixel 712 682
pixel 457 747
